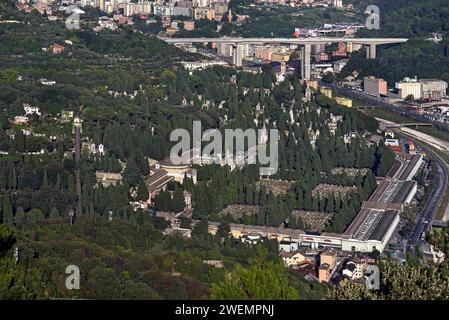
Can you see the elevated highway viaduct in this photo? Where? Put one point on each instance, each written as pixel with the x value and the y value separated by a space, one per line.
pixel 304 43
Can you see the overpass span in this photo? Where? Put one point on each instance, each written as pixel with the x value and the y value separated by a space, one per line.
pixel 304 43
pixel 298 41
pixel 409 124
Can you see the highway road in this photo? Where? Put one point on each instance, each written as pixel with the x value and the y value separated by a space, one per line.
pixel 311 40
pixel 380 102
pixel 426 215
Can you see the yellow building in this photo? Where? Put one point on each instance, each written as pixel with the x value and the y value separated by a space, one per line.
pixel 344 101
pixel 326 91
pixel 280 57
pixel 292 258
pixel 313 84
pixel 329 257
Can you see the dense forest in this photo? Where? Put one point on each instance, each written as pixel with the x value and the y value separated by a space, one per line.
pixel 120 259
pixel 398 282
pixel 413 19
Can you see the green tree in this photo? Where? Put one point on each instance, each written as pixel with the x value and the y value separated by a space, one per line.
pixel 178 203
pixel 131 174
pixel 8 216
pixel 262 280
pixel 35 215
pixel 185 223
pixel 7 239
pixel 142 191
pixel 223 230
pixel 20 216
pixel 45 179
pixel 54 214
pixel 201 229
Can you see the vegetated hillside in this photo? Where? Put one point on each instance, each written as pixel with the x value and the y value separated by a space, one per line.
pixel 415 20
pixel 408 18
pixel 415 58
pixel 128 259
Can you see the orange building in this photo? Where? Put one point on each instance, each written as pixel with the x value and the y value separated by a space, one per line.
pixel 328 261
pixel 189 25
pixel 324 273
pixel 375 86
pixel 57 48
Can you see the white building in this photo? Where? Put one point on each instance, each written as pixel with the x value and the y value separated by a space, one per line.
pixel 29 110
pixel 195 65
pixel 409 86
pixel 355 269
pixel 46 82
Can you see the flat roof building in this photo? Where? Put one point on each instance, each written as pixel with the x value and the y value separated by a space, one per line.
pixel 375 86
pixel 370 230
pixel 433 89
pixel 409 87
pixel 392 194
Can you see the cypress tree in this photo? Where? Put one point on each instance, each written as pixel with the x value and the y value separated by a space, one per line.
pixel 142 191
pixel 178 200
pixel 8 216
pixel 20 216
pixel 45 179
pixel 54 213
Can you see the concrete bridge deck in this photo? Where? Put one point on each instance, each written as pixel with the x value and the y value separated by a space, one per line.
pixel 299 41
pixel 304 43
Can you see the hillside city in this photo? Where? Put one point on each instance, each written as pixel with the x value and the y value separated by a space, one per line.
pixel 352 205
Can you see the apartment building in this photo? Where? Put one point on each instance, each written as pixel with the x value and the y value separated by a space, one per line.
pixel 409 87
pixel 375 86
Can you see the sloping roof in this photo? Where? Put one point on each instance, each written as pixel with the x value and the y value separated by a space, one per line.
pixel 157 180
pixel 410 166
pixel 383 225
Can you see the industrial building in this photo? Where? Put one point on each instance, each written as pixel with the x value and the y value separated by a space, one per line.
pixel 370 230
pixel 429 89
pixel 433 89
pixel 392 194
pixel 409 87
